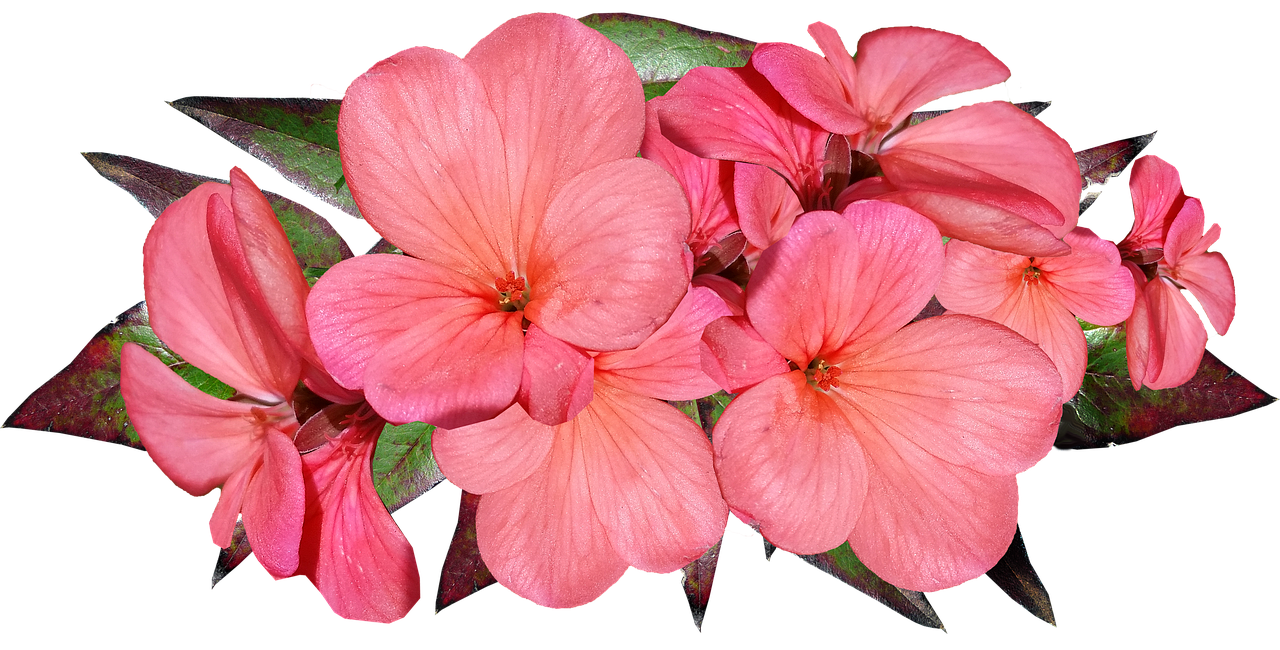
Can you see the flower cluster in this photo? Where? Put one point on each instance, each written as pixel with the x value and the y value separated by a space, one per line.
pixel 782 229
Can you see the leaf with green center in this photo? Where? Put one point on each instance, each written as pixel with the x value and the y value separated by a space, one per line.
pixel 315 243
pixel 663 51
pixel 841 563
pixel 1102 163
pixel 84 398
pixel 297 137
pixel 1014 574
pixel 464 572
pixel 1033 109
pixel 403 466
pixel 1108 411
pixel 697 578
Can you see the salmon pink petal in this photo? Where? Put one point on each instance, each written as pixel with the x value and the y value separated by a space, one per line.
pixel 668 365
pixel 1208 278
pixel 817 255
pixel 1182 238
pixel 1137 342
pixel 812 84
pixel 953 373
pixel 222 524
pixel 707 183
pixel 766 205
pixel 186 299
pixel 495 454
pixel 735 357
pixel 1036 312
pixel 733 296
pixel 566 98
pixel 901 69
pixel 1157 195
pixel 363 303
pixel 272 357
pixel 197 440
pixel 735 114
pixel 787 456
pixel 274 506
pixel 541 537
pixel 998 139
pixel 420 151
pixel 607 269
pixel 1089 281
pixel 899 267
pixel 928 524
pixel 966 203
pixel 351 549
pixel 651 478
pixel 1177 336
pixel 979 280
pixel 556 381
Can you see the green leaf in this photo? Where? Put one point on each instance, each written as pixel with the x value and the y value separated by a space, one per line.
pixel 1108 411
pixel 1014 574
pixel 1102 163
pixel 403 467
pixel 297 137
pixel 464 573
pixel 663 51
pixel 697 578
pixel 1033 109
pixel 84 398
pixel 841 563
pixel 315 243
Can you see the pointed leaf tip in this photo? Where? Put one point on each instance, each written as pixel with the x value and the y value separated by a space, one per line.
pixel 697 578
pixel 842 564
pixel 1104 162
pixel 464 572
pixel 1015 576
pixel 230 557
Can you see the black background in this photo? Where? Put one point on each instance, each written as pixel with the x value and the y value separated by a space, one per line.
pixel 1155 538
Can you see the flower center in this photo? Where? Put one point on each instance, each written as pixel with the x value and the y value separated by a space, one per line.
pixel 1031 275
pixel 823 376
pixel 513 292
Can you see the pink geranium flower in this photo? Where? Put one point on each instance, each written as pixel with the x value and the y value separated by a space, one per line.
pixel 225 292
pixel 904 441
pixel 1167 250
pixel 1041 298
pixel 509 179
pixel 627 482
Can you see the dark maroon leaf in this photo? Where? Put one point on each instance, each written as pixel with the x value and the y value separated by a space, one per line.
pixel 230 557
pixel 384 246
pixel 933 308
pixel 464 573
pixel 722 254
pixel 1102 163
pixel 1014 574
pixel 842 564
pixel 1031 108
pixel 769 548
pixel 698 576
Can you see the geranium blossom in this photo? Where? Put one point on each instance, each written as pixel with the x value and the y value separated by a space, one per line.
pixel 627 482
pixel 904 441
pixel 510 180
pixel 225 291
pixel 1041 298
pixel 1167 250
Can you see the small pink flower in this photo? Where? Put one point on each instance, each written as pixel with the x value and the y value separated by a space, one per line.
pixel 1040 298
pixel 1167 251
pixel 904 441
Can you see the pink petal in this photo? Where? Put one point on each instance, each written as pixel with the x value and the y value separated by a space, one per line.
pixel 1184 233
pixel 421 150
pixel 707 183
pixel 928 524
pixel 567 99
pixel 608 261
pixel 899 265
pixel 1177 337
pixel 1090 281
pixel 787 455
pixel 556 381
pixel 998 139
pixel 226 513
pixel 733 296
pixel 734 114
pixel 812 84
pixel 766 205
pixel 197 440
pixel 836 55
pixel 966 390
pixel 668 365
pixel 1137 327
pixel 1037 312
pixel 1157 198
pixel 977 280
pixel 541 537
pixel 1209 279
pixel 351 548
pixel 274 506
pixel 820 256
pixel 651 479
pixel 735 356
pixel 272 357
pixel 901 69
pixel 186 299
pixel 495 454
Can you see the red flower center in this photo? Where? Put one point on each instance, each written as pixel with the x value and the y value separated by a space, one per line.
pixel 512 292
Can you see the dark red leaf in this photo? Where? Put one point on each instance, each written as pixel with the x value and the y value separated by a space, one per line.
pixel 1102 163
pixel 1031 108
pixel 230 557
pixel 1014 574
pixel 464 573
pixel 698 576
pixel 842 564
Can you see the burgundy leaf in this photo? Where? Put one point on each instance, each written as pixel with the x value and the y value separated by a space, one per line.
pixel 698 576
pixel 1031 108
pixel 1104 162
pixel 1014 574
pixel 464 573
pixel 842 564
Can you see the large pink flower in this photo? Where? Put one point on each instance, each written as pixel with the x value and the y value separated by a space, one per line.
pixel 628 481
pixel 904 441
pixel 1167 251
pixel 225 291
pixel 1041 298
pixel 510 180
